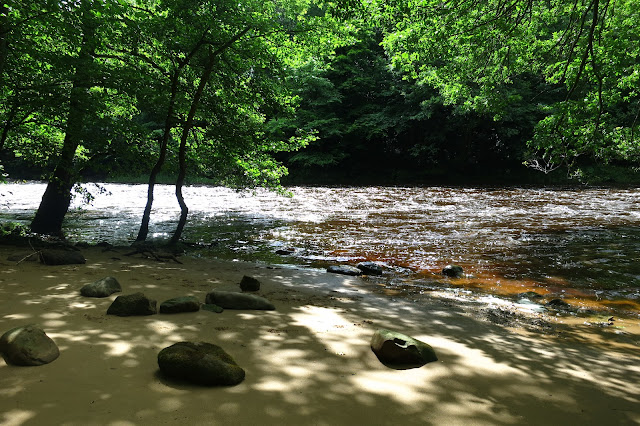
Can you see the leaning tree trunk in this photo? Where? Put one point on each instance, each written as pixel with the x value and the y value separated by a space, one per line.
pixel 195 102
pixel 146 216
pixel 143 232
pixel 57 197
pixel 188 125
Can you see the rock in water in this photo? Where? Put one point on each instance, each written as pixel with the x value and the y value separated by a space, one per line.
pixel 249 284
pixel 453 271
pixel 200 363
pixel 396 350
pixel 370 268
pixel 233 300
pixel 132 305
pixel 180 304
pixel 28 345
pixel 61 257
pixel 101 288
pixel 344 270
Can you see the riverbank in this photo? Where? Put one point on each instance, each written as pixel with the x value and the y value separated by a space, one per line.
pixel 307 362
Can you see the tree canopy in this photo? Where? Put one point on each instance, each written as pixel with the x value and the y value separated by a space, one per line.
pixel 224 89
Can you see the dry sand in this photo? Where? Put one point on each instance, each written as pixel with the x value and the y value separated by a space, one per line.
pixel 307 363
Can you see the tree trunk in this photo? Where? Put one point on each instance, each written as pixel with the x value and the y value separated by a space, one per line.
pixel 57 197
pixel 168 125
pixel 195 102
pixel 182 154
pixel 143 232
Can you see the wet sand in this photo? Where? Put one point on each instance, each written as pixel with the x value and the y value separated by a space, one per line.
pixel 308 362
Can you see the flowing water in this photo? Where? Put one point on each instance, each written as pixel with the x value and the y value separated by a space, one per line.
pixel 580 244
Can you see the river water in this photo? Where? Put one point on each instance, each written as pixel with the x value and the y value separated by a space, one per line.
pixel 578 244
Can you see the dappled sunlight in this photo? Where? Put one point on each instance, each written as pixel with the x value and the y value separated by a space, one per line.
pixel 307 362
pixel 16 417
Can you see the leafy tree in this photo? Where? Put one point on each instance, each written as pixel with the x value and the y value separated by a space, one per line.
pixel 585 50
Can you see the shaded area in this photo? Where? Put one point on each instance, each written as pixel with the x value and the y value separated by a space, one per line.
pixel 308 362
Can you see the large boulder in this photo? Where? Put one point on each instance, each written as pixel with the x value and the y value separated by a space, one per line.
pixel 344 270
pixel 61 257
pixel 399 351
pixel 102 288
pixel 249 284
pixel 28 345
pixel 200 363
pixel 180 304
pixel 233 300
pixel 132 305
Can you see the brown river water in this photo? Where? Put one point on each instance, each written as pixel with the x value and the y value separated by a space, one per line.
pixel 580 245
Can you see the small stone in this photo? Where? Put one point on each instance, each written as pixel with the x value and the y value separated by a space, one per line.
pixel 531 295
pixel 233 300
pixel 558 304
pixel 200 363
pixel 249 284
pixel 101 288
pixel 28 345
pixel 344 270
pixel 286 251
pixel 453 271
pixel 399 351
pixel 212 308
pixel 132 305
pixel 179 305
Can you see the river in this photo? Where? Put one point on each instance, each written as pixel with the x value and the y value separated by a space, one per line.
pixel 578 244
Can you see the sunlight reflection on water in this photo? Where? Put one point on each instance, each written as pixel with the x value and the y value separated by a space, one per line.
pixel 585 238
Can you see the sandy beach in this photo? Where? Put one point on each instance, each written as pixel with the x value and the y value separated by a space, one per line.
pixel 309 362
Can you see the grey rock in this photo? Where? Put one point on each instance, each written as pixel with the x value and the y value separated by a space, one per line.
pixel 453 271
pixel 370 268
pixel 132 305
pixel 28 345
pixel 344 270
pixel 200 363
pixel 102 288
pixel 61 257
pixel 180 304
pixel 249 284
pixel 233 300
pixel 399 351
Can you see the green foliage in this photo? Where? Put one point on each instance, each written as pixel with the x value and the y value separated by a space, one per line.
pixel 474 53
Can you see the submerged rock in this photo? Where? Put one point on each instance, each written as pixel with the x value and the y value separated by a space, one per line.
pixel 399 351
pixel 530 295
pixel 132 305
pixel 558 304
pixel 27 346
pixel 101 288
pixel 233 300
pixel 344 270
pixel 200 363
pixel 179 305
pixel 286 251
